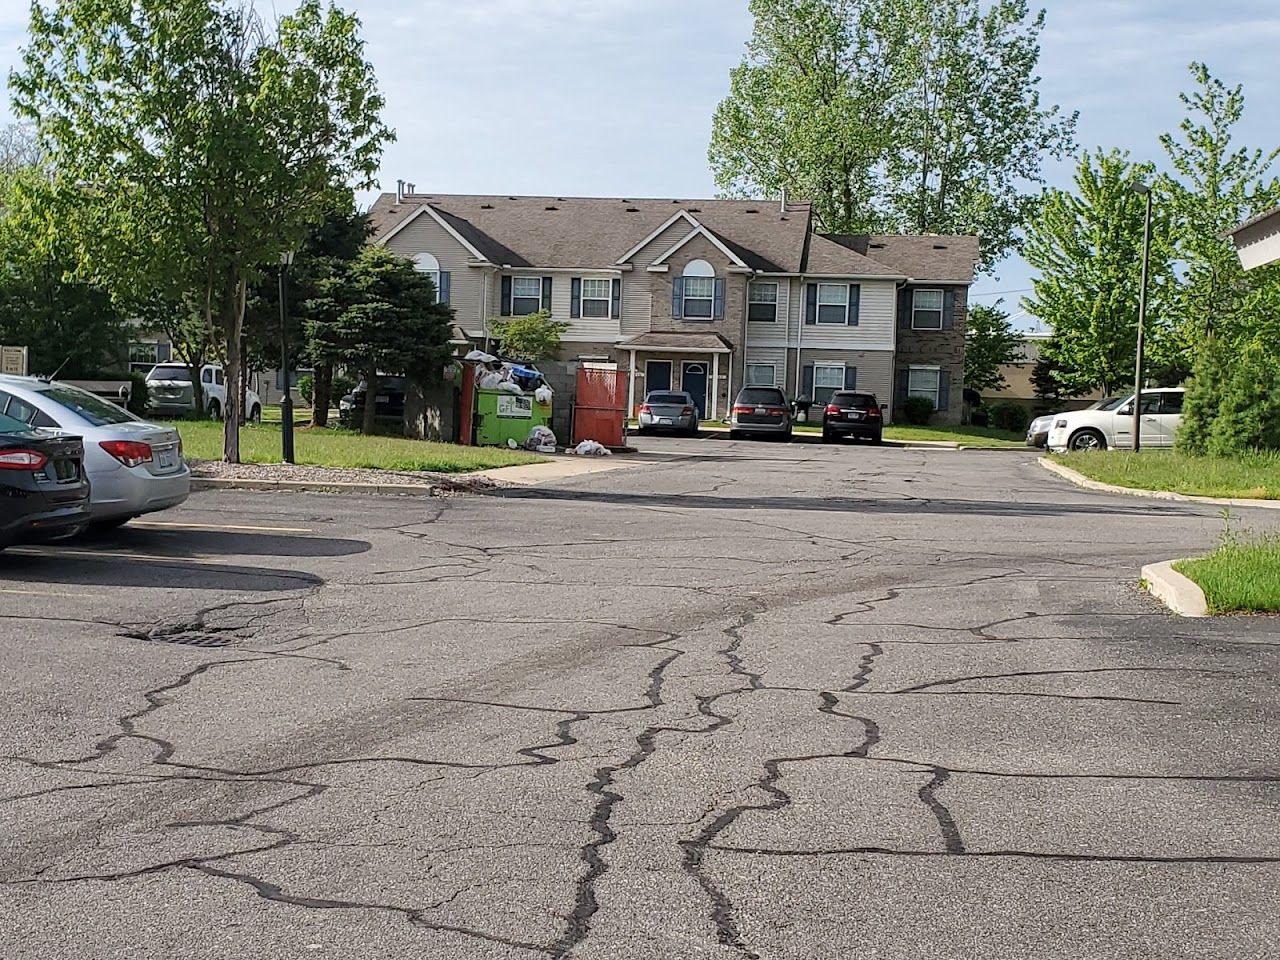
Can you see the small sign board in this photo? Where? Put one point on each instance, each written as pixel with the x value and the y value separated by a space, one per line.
pixel 13 361
pixel 517 408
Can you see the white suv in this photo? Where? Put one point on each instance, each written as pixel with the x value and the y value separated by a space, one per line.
pixel 172 394
pixel 1113 429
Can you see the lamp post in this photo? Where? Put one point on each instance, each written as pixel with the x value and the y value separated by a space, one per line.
pixel 1145 191
pixel 286 403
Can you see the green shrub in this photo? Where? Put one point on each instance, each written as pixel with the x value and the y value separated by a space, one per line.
pixel 307 387
pixel 342 385
pixel 917 411
pixel 1249 405
pixel 1010 416
pixel 1204 395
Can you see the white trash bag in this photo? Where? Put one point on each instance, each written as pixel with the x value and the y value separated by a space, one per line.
pixel 510 386
pixel 541 440
pixel 543 394
pixel 589 448
pixel 489 380
pixel 479 356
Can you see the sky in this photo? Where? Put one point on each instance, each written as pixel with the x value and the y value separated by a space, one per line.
pixel 615 97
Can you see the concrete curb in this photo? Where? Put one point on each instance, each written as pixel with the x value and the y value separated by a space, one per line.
pixel 1080 480
pixel 316 486
pixel 1178 593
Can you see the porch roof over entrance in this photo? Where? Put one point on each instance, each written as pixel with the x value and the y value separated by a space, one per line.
pixel 678 343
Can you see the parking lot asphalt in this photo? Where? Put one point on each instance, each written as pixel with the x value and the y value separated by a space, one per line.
pixel 738 701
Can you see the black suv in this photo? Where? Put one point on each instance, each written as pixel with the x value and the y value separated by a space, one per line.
pixel 851 413
pixel 44 492
pixel 390 402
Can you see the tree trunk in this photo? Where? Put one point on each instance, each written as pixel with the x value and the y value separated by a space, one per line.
pixel 370 403
pixel 415 410
pixel 321 393
pixel 231 314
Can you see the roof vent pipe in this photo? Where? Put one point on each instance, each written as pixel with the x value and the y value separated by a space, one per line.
pixel 784 200
pixel 410 188
pixel 399 190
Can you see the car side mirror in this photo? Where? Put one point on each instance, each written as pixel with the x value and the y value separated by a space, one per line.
pixel 1125 411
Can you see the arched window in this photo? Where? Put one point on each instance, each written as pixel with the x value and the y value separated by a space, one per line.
pixel 699 289
pixel 429 265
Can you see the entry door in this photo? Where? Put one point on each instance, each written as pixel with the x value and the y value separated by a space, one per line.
pixel 657 375
pixel 693 381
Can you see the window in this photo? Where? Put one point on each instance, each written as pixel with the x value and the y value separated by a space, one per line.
pixel 526 296
pixel 761 375
pixel 426 263
pixel 206 375
pixel 698 294
pixel 762 302
pixel 923 382
pixel 1171 402
pixel 827 379
pixel 144 356
pixel 91 407
pixel 171 373
pixel 833 303
pixel 597 298
pixel 926 310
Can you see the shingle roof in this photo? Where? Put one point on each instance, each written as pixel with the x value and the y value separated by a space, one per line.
pixel 595 232
pixel 828 258
pixel 927 257
pixel 707 342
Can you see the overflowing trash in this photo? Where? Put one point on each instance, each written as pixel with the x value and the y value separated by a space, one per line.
pixel 543 394
pixel 512 399
pixel 541 440
pixel 589 448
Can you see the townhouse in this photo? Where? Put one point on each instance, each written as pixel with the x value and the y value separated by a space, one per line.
pixel 702 295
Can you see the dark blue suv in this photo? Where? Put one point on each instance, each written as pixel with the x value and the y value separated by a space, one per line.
pixel 44 492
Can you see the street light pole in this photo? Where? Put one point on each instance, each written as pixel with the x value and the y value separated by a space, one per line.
pixel 286 403
pixel 1145 191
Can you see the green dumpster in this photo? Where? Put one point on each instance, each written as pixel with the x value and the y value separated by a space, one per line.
pixel 504 416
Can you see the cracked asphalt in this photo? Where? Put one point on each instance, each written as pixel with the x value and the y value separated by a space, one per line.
pixel 739 701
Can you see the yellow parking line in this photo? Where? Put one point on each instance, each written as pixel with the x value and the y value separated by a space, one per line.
pixel 54 552
pixel 165 524
pixel 46 593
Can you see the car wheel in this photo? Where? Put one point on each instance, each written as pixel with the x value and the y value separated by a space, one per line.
pixel 108 524
pixel 828 436
pixel 876 438
pixel 1083 441
pixel 215 410
pixel 735 434
pixel 691 431
pixel 255 415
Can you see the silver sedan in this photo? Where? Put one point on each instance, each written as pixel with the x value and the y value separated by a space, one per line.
pixel 668 410
pixel 134 467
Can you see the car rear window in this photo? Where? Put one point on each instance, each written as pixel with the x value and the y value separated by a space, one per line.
pixel 170 373
pixel 9 425
pixel 93 408
pixel 676 398
pixel 854 401
pixel 761 395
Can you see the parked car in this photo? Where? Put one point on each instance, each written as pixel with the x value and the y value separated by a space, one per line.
pixel 853 413
pixel 44 491
pixel 172 393
pixel 760 411
pixel 1038 430
pixel 134 467
pixel 668 410
pixel 1113 428
pixel 389 401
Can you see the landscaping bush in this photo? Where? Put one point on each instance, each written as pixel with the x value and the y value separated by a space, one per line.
pixel 1010 416
pixel 307 387
pixel 917 411
pixel 1204 395
pixel 1249 404
pixel 342 385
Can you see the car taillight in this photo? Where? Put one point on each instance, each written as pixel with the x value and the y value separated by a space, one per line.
pixel 775 411
pixel 741 409
pixel 31 460
pixel 129 452
pixel 833 408
pixel 646 409
pixel 686 411
pixel 873 413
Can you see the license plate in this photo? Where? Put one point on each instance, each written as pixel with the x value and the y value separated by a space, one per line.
pixel 166 459
pixel 854 415
pixel 760 410
pixel 664 421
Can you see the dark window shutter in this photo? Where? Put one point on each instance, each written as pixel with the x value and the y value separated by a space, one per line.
pixel 717 305
pixel 855 303
pixel 505 307
pixel 901 394
pixel 677 298
pixel 617 298
pixel 806 388
pixel 445 292
pixel 575 297
pixel 944 389
pixel 811 306
pixel 948 310
pixel 904 308
pixel 546 294
pixel 851 378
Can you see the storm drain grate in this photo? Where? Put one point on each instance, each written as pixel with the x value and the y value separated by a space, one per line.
pixel 185 635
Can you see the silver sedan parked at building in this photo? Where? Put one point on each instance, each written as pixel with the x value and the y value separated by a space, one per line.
pixel 134 467
pixel 668 410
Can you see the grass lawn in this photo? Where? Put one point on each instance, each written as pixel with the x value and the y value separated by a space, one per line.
pixel 1255 477
pixel 965 436
pixel 1241 576
pixel 202 440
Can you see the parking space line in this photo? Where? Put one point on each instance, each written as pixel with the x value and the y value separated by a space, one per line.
pixel 47 593
pixel 53 553
pixel 168 525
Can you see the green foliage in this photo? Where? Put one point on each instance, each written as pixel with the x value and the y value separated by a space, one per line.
pixel 381 318
pixel 530 338
pixel 1248 410
pixel 1248 475
pixel 922 115
pixel 917 411
pixel 306 387
pixel 1204 395
pixel 1087 246
pixel 1241 576
pixel 194 144
pixel 342 385
pixel 1010 416
pixel 990 342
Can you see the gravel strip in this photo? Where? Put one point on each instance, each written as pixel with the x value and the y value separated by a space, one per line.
pixel 445 483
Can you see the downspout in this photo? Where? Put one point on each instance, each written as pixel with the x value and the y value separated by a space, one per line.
pixel 746 332
pixel 799 334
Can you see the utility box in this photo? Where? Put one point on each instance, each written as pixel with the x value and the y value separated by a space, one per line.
pixel 505 416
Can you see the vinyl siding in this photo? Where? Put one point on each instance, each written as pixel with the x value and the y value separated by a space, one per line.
pixel 467 283
pixel 876 319
pixel 581 329
pixel 774 355
pixel 637 290
pixel 777 333
pixel 875 368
